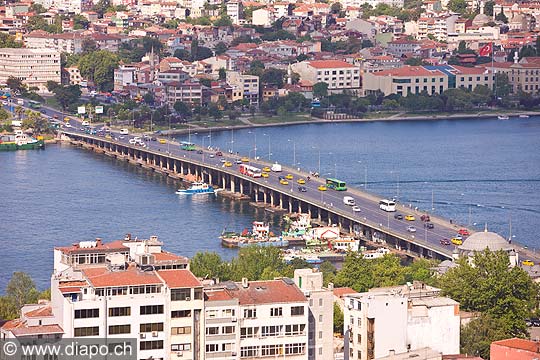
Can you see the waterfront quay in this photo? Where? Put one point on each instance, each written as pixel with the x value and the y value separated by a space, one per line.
pixel 371 224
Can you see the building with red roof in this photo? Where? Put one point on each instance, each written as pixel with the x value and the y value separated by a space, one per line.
pixel 515 349
pixel 338 74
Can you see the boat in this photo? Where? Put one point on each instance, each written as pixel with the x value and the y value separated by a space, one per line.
pixel 503 117
pixel 20 141
pixel 260 235
pixel 524 116
pixel 198 188
pixel 297 224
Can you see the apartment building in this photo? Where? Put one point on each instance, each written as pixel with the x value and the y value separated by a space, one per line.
pixel 321 313
pixel 247 84
pixel 235 9
pixel 33 66
pixel 394 320
pixel 188 92
pixel 523 75
pixel 437 25
pixel 339 75
pixel 255 319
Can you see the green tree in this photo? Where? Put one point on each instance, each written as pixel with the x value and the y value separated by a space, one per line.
pixel 339 321
pixel 220 48
pixel 149 98
pixel 488 8
pixel 503 88
pixel 336 8
pixel 88 45
pixel 51 85
pixel 252 261
pixel 208 265
pixel 80 22
pixel 182 54
pixel 494 288
pixel 15 84
pixel 8 41
pixel 182 108
pixel 98 66
pixel 222 74
pixel 501 17
pixel 477 336
pixel 21 290
pixel 224 20
pixel 458 6
pixel 67 95
pixel 37 8
pixel 320 90
pixel 414 61
pixel 273 76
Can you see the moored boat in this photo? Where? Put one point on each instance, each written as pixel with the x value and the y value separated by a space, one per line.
pixel 260 236
pixel 20 141
pixel 503 117
pixel 524 116
pixel 197 188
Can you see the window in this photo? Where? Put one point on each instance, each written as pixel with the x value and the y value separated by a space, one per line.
pixel 320 334
pixel 212 348
pixel 212 330
pixel 248 332
pixel 359 339
pixel 149 327
pixel 180 347
pixel 181 330
pixel 86 313
pixel 228 313
pixel 151 345
pixel 295 329
pixel 120 311
pixel 270 330
pixel 180 294
pixel 359 321
pixel 298 310
pixel 151 309
pixel 227 330
pixel 250 313
pixel 180 314
pixel 295 348
pixel 249 351
pixel 119 329
pixel 320 318
pixel 86 331
pixel 320 302
pixel 276 311
pixel 270 350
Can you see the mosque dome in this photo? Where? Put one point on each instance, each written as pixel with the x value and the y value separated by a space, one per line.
pixel 481 240
pixel 481 19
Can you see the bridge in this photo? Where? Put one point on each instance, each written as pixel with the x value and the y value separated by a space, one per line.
pixel 370 223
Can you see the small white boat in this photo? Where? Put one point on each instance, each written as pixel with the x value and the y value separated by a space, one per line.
pixel 503 117
pixel 198 188
pixel 523 116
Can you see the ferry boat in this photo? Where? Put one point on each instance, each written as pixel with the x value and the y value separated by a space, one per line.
pixel 260 235
pixel 297 224
pixel 19 141
pixel 197 188
pixel 503 117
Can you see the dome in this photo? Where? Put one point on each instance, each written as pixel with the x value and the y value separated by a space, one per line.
pixel 481 19
pixel 485 239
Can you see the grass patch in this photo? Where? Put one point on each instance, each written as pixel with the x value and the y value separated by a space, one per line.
pixel 212 123
pixel 258 119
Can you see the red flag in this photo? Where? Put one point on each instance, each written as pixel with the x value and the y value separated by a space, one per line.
pixel 486 50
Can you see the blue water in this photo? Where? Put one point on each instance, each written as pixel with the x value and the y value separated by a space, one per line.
pixel 477 171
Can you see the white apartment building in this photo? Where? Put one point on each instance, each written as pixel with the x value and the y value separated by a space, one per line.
pixel 247 84
pixel 124 76
pixel 321 309
pixel 398 319
pixel 250 320
pixel 339 75
pixel 33 66
pixel 437 25
pixel 235 10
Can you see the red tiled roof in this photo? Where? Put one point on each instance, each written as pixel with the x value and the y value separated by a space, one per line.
pixel 167 256
pixel 267 292
pixel 327 64
pixel 340 292
pixel 179 278
pixel 37 330
pixel 528 345
pixel 102 277
pixel 218 295
pixel 40 312
pixel 108 247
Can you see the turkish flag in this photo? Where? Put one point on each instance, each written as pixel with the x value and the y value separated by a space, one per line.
pixel 486 50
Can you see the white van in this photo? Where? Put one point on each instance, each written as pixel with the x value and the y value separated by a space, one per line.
pixel 124 132
pixel 85 123
pixel 347 200
pixel 276 167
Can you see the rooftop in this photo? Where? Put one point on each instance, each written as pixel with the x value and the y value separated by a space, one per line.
pixel 92 246
pixel 179 278
pixel 267 292
pixel 103 277
pixel 522 344
pixel 327 64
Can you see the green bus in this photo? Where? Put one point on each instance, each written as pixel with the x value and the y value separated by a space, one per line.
pixel 34 104
pixel 184 145
pixel 336 184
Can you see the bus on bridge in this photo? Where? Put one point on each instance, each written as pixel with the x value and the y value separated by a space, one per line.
pixel 250 170
pixel 185 145
pixel 34 104
pixel 336 184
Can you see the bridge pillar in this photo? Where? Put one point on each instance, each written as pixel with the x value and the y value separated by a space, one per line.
pixel 265 196
pixel 281 200
pixel 232 184
pixel 241 186
pixel 272 198
pixel 210 178
pixel 290 204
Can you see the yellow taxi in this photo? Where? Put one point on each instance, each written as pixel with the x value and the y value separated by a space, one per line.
pixel 283 182
pixel 266 169
pixel 264 174
pixel 162 141
pixel 321 188
pixel 409 218
pixel 301 181
pixel 289 177
pixel 227 164
pixel 245 159
pixel 456 241
pixel 527 263
pixel 66 119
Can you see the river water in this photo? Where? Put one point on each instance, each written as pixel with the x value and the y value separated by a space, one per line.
pixel 472 171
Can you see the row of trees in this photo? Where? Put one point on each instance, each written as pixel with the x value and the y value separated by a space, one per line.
pixel 20 290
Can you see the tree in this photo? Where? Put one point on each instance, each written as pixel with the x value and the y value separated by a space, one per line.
pixel 329 272
pixel 182 108
pixel 80 22
pixel 477 336
pixel 222 74
pixel 149 98
pixel 98 66
pixel 336 8
pixel 21 290
pixel 488 8
pixel 414 61
pixel 252 261
pixel 88 45
pixel 338 319
pixel 489 285
pixel 458 6
pixel 220 48
pixel 15 84
pixel 320 90
pixel 208 265
pixel 224 20
pixel 67 95
pixel 51 85
pixel 503 88
pixel 182 54
pixel 501 17
pixel 8 41
pixel 273 76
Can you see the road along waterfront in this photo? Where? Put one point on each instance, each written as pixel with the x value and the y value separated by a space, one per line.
pixel 458 165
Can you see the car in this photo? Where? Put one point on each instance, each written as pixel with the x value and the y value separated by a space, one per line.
pixel 227 164
pixel 223 160
pixel 55 116
pixel 162 141
pixel 411 229
pixel 456 241
pixel 398 216
pixel 410 218
pixel 321 188
pixel 153 138
pixel 302 189
pixel 527 263
pixel 68 125
pixel 84 123
pixel 535 322
pixel 429 225
pixel 199 152
pixel 245 159
pixel 264 174
pixel 356 208
pixel 132 141
pixel 283 182
pixel 425 217
pixel 445 242
pixel 66 118
pixel 289 177
pixel 464 232
pixel 146 138
pixel 43 111
pixel 219 153
pixel 457 236
pixel 85 129
pixel 301 181
pixel 266 169
pixel 212 155
pixel 238 161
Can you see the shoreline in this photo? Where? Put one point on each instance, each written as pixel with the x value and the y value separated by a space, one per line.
pixel 463 116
